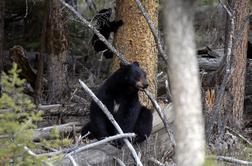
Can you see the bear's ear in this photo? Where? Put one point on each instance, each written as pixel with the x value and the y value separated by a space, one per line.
pixel 136 63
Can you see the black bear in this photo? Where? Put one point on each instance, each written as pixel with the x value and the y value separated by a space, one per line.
pixel 105 27
pixel 120 94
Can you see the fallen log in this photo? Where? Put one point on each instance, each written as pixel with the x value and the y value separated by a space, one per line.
pixel 45 133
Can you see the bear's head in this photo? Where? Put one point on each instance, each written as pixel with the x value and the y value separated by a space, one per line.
pixel 103 15
pixel 134 75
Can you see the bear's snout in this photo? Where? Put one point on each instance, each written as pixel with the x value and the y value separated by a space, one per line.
pixel 145 85
pixel 142 84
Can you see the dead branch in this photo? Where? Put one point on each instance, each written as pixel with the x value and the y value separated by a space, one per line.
pixel 119 55
pixel 155 161
pixel 162 116
pixel 112 120
pixel 103 141
pixel 72 160
pixel 75 150
pixel 209 64
pixel 231 160
pixel 119 161
pixel 48 107
pixel 227 73
pixel 30 152
pixel 44 133
pixel 240 136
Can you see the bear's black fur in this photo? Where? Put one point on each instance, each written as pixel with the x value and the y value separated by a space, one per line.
pixel 120 94
pixel 105 27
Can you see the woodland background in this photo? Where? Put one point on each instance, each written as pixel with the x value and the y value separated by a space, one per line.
pixel 41 117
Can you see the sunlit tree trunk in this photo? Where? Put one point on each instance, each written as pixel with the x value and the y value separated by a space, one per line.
pixel 184 79
pixel 58 49
pixel 135 40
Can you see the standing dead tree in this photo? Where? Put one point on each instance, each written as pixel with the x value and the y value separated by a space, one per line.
pixel 58 50
pixel 228 81
pixel 185 85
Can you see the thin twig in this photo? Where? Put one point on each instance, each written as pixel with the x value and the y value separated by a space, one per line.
pixel 26 8
pixel 72 160
pixel 229 12
pixel 47 107
pixel 30 152
pixel 112 120
pixel 119 161
pixel 45 132
pixel 162 117
pixel 240 136
pixel 231 160
pixel 156 162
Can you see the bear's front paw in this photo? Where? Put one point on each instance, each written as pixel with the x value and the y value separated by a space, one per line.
pixel 118 143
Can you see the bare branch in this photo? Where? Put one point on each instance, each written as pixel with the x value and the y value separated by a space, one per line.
pixel 231 160
pixel 119 161
pixel 103 141
pixel 162 116
pixel 240 136
pixel 72 160
pixel 229 12
pixel 112 120
pixel 45 132
pixel 30 152
pixel 78 149
pixel 155 161
pixel 47 107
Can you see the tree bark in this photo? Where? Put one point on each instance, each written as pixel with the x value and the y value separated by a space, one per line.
pixel 43 41
pixel 236 85
pixel 58 49
pixel 185 85
pixel 135 40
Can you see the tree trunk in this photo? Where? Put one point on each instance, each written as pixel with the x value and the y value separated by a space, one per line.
pixel 185 85
pixel 135 40
pixel 57 47
pixel 43 41
pixel 224 89
pixel 236 85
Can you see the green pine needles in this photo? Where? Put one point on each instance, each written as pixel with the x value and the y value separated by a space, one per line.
pixel 17 120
